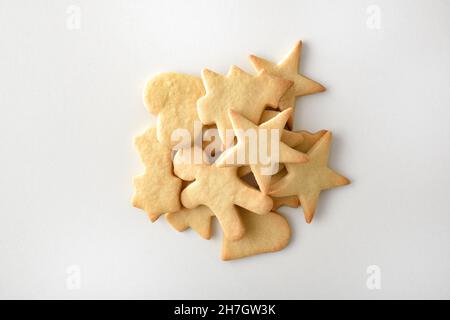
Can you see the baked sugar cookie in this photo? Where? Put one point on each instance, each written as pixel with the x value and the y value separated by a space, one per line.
pixel 288 69
pixel 264 233
pixel 198 218
pixel 151 195
pixel 173 98
pixel 309 139
pixel 220 189
pixel 307 180
pixel 241 126
pixel 245 93
pixel 291 138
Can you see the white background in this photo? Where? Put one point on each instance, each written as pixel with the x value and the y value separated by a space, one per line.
pixel 71 103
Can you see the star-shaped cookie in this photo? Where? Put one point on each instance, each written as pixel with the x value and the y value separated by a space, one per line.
pixel 309 140
pixel 307 180
pixel 220 189
pixel 291 138
pixel 245 93
pixel 288 68
pixel 240 154
pixel 151 195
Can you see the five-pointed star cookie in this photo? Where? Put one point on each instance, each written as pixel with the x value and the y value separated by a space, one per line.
pixel 300 140
pixel 291 138
pixel 308 179
pixel 247 152
pixel 151 195
pixel 173 97
pixel 220 189
pixel 309 140
pixel 288 69
pixel 245 93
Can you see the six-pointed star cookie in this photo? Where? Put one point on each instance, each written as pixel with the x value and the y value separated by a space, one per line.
pixel 288 69
pixel 220 189
pixel 243 92
pixel 263 156
pixel 151 195
pixel 308 179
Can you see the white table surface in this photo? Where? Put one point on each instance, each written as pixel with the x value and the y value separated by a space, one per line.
pixel 70 98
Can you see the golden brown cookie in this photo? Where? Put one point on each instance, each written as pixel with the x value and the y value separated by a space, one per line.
pixel 173 98
pixel 239 154
pixel 220 189
pixel 151 195
pixel 289 201
pixel 198 218
pixel 288 68
pixel 307 180
pixel 291 138
pixel 309 139
pixel 245 93
pixel 264 233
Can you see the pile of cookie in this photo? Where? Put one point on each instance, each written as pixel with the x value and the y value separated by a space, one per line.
pixel 190 181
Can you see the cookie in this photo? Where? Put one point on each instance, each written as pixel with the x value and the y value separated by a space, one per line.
pixel 232 156
pixel 173 98
pixel 264 233
pixel 309 139
pixel 247 164
pixel 307 180
pixel 211 142
pixel 151 195
pixel 288 68
pixel 291 138
pixel 245 93
pixel 220 189
pixel 289 201
pixel 198 218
